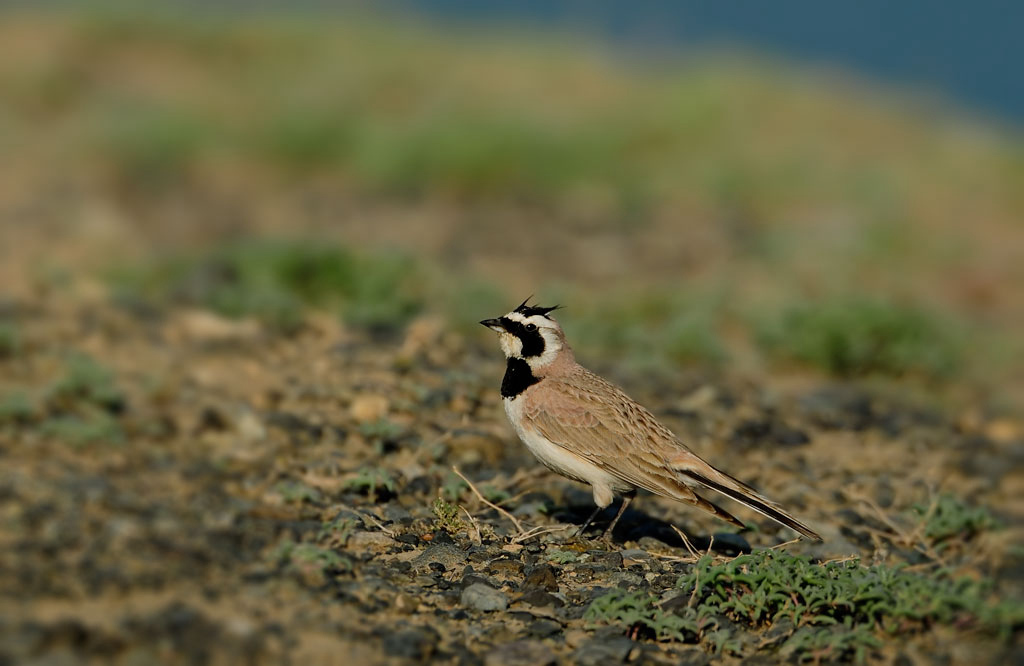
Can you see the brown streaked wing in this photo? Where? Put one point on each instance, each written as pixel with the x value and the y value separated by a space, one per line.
pixel 596 421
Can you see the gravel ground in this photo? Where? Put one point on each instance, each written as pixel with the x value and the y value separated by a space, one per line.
pixel 180 488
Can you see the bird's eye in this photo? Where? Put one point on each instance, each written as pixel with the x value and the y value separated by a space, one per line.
pixel 531 327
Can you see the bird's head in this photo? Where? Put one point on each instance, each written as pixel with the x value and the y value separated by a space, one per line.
pixel 529 333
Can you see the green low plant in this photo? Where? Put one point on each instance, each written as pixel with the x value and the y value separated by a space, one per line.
pixel 640 611
pixel 950 517
pixel 446 517
pixel 837 609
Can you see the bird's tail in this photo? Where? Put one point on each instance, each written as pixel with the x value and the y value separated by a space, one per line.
pixel 696 470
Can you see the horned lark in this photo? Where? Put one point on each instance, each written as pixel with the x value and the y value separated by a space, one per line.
pixel 582 427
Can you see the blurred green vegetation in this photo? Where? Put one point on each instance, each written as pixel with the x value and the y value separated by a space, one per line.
pixel 854 335
pixel 754 212
pixel 80 407
pixel 277 280
pixel 390 106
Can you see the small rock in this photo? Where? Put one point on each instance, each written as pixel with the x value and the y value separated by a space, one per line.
pixel 541 576
pixel 446 554
pixel 472 579
pixel 543 628
pixel 652 544
pixel 484 598
pixel 634 556
pixel 206 327
pixel 731 544
pixel 368 408
pixel 249 427
pixel 600 651
pixel 416 643
pixel 520 653
pixel 538 597
pixel 397 513
pixel 626 579
pixel 612 559
pixel 505 567
pixel 367 541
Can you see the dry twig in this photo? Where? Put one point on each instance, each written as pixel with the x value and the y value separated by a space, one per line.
pixel 686 542
pixel 472 521
pixel 515 521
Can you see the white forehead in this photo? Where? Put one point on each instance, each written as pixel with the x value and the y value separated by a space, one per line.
pixel 539 320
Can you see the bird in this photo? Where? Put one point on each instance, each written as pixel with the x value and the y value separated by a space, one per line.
pixel 585 428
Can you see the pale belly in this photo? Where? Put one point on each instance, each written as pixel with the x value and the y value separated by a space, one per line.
pixel 563 462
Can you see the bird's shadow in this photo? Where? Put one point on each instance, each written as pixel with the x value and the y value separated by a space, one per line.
pixel 636 524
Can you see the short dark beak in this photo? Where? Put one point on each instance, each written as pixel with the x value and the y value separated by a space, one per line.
pixel 494 324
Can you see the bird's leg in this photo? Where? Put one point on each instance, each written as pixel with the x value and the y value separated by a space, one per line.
pixel 626 499
pixel 590 520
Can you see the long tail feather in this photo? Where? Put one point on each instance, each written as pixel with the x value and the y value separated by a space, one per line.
pixel 716 510
pixel 744 494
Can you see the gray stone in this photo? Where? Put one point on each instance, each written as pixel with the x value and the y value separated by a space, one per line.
pixel 483 598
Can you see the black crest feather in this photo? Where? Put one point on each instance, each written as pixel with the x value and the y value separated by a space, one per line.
pixel 529 310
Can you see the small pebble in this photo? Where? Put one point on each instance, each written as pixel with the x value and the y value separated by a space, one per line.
pixel 484 598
